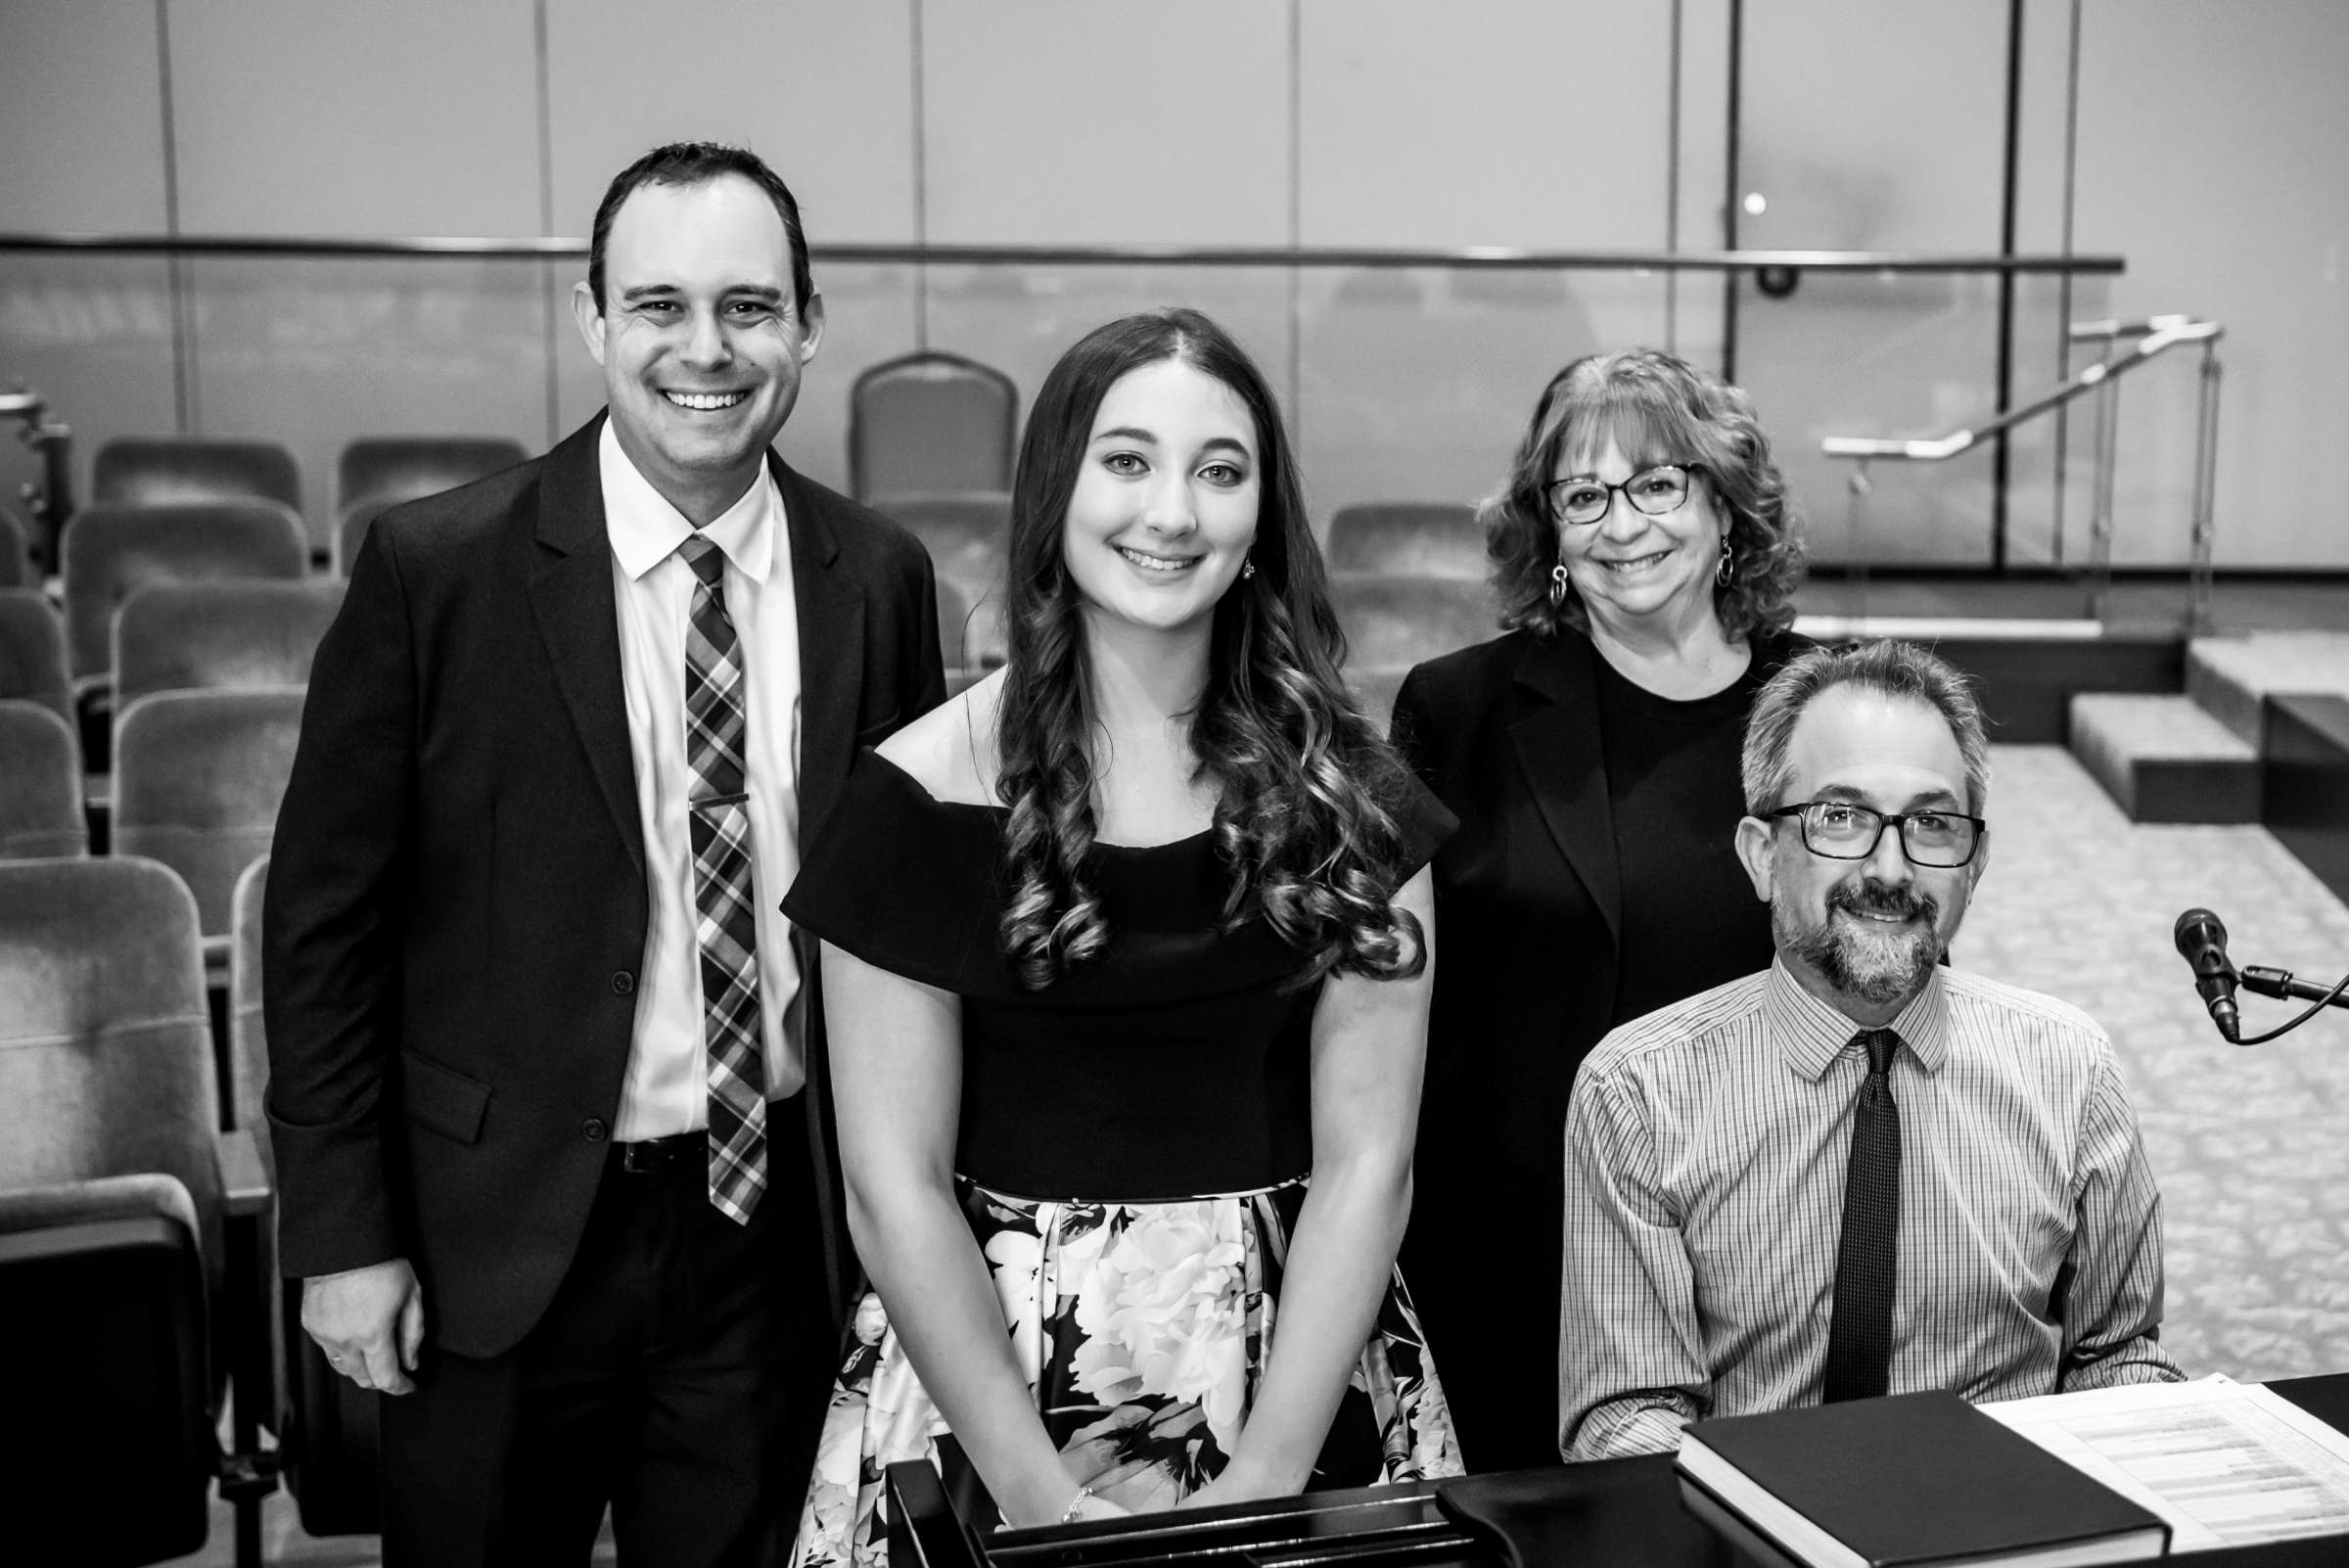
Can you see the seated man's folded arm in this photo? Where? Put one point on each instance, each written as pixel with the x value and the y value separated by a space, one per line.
pixel 2111 1308
pixel 1631 1368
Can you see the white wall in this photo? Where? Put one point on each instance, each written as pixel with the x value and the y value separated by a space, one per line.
pixel 2214 150
pixel 2208 143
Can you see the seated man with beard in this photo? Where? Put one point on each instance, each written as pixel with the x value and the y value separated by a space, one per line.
pixel 1857 1171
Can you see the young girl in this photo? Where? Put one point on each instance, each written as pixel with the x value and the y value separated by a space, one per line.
pixel 1127 954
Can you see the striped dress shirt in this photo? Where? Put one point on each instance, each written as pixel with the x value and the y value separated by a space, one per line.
pixel 1706 1147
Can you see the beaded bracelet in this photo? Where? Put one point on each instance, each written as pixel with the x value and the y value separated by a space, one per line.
pixel 1068 1515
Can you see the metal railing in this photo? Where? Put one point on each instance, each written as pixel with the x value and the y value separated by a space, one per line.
pixel 1470 257
pixel 2145 339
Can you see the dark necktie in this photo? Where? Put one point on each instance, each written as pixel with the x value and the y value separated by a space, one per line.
pixel 724 926
pixel 1859 1334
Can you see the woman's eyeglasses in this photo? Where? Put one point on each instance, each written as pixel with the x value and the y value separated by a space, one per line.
pixel 1652 491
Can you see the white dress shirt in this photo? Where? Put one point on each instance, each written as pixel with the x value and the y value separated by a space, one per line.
pixel 1705 1151
pixel 665 1090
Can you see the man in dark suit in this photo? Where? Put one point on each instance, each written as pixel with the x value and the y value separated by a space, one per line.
pixel 546 1089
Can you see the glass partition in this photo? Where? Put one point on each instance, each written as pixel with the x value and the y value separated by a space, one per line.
pixel 1402 382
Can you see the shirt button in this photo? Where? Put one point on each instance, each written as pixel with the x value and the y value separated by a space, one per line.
pixel 624 984
pixel 595 1129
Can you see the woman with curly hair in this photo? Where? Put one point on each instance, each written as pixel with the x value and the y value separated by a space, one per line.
pixel 1121 946
pixel 1645 553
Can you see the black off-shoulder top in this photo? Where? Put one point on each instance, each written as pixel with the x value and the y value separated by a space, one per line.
pixel 1174 1064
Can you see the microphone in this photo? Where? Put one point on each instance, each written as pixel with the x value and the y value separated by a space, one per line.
pixel 2202 942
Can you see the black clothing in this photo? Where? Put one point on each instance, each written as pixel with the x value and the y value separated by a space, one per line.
pixel 1177 1050
pixel 1534 904
pixel 457 912
pixel 673 1375
pixel 1690 920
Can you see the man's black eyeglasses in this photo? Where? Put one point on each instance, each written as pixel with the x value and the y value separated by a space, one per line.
pixel 1842 830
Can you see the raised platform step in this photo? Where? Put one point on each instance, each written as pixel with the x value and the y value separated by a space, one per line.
pixel 2306 800
pixel 2230 676
pixel 2165 760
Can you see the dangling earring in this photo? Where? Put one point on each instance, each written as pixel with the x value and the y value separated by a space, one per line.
pixel 1247 566
pixel 1558 584
pixel 1728 563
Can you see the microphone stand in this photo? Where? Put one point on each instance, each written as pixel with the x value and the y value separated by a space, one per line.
pixel 2284 985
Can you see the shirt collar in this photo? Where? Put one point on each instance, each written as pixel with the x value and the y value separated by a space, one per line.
pixel 646 530
pixel 1810 1034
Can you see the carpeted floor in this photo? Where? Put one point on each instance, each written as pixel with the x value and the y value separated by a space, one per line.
pixel 2250 1145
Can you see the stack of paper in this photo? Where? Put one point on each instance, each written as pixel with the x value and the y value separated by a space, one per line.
pixel 2225 1463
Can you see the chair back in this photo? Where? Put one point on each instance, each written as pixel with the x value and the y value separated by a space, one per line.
pixel 185 636
pixel 171 469
pixel 968 535
pixel 929 422
pixel 197 778
pixel 33 652
pixel 350 529
pixel 247 1035
pixel 1394 623
pixel 16 552
pixel 40 784
pixel 402 468
pixel 953 623
pixel 106 1053
pixel 111 552
pixel 1409 539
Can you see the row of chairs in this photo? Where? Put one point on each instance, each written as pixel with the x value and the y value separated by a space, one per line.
pixel 125 1179
pixel 197 778
pixel 919 423
pixel 112 553
pixel 1407 579
pixel 372 472
pixel 138 1301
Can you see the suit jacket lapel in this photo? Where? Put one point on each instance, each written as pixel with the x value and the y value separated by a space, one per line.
pixel 570 595
pixel 831 613
pixel 1565 767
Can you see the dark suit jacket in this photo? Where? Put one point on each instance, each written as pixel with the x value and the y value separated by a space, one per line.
pixel 1529 912
pixel 457 905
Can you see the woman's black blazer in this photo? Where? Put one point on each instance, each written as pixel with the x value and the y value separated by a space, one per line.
pixel 1507 735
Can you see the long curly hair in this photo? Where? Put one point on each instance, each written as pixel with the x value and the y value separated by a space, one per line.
pixel 1657 408
pixel 1307 794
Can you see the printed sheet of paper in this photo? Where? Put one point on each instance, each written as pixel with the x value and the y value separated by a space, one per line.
pixel 2225 1463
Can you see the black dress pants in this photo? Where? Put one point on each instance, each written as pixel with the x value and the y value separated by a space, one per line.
pixel 679 1377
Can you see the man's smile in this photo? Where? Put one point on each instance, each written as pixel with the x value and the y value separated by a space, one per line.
pixel 705 402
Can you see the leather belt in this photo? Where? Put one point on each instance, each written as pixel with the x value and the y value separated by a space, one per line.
pixel 658 1154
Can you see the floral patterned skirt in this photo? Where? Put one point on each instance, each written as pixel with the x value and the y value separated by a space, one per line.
pixel 1142 1330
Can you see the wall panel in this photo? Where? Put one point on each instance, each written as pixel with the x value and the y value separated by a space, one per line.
pixel 822 89
pixel 1107 121
pixel 315 352
pixel 2212 142
pixel 1875 128
pixel 346 116
pixel 1484 123
pixel 81 117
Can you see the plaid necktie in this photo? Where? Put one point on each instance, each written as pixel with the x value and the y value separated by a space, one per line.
pixel 1859 1333
pixel 725 927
